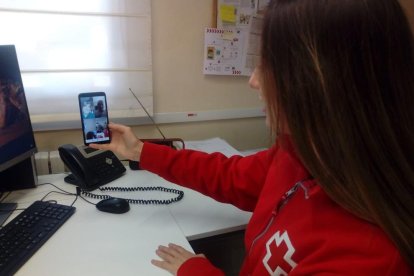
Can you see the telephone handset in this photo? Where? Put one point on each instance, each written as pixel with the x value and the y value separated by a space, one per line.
pixel 90 168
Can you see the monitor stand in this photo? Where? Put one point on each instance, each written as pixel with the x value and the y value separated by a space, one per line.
pixel 20 176
pixel 5 211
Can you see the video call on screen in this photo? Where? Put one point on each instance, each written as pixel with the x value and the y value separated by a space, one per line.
pixel 95 119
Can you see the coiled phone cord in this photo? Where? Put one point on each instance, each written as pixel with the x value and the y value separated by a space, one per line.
pixel 180 194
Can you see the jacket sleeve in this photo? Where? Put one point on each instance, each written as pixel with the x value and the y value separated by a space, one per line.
pixel 236 180
pixel 198 266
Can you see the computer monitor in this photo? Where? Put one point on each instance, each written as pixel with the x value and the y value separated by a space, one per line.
pixel 17 142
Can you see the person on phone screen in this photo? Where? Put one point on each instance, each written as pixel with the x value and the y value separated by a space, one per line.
pixel 334 194
pixel 99 109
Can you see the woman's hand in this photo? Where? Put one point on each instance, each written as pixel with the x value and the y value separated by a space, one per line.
pixel 123 142
pixel 172 257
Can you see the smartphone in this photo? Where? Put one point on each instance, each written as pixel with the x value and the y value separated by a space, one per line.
pixel 94 117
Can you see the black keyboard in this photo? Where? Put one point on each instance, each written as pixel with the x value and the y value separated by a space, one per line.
pixel 27 232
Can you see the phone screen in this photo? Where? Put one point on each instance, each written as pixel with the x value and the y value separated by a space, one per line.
pixel 94 117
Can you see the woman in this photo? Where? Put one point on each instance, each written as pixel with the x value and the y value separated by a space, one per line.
pixel 334 195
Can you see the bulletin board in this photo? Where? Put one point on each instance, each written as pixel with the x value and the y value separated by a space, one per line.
pixel 231 46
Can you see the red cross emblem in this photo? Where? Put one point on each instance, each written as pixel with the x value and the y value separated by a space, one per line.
pixel 279 251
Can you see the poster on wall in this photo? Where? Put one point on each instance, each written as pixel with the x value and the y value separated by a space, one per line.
pixel 224 52
pixel 233 48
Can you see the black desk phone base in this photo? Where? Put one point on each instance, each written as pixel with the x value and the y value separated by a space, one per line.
pixel 90 168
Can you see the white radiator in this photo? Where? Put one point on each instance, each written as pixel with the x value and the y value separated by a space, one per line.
pixel 49 163
pixel 56 164
pixel 42 162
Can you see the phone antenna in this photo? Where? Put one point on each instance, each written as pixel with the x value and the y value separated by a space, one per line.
pixel 149 116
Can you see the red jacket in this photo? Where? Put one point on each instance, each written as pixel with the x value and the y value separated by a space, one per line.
pixel 295 227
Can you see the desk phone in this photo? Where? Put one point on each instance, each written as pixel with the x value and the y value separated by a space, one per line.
pixel 91 168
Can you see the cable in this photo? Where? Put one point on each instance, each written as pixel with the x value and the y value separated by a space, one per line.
pixel 180 194
pixel 48 183
pixel 76 198
pixel 51 192
pixel 87 200
pixel 77 194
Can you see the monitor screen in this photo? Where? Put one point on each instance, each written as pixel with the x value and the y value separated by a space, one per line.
pixel 17 141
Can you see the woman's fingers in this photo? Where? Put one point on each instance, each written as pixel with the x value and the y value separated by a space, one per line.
pixel 172 257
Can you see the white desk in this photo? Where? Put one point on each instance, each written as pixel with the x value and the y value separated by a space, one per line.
pixel 92 242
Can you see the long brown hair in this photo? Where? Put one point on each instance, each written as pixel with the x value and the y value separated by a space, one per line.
pixel 341 72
